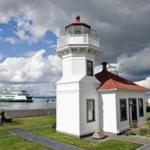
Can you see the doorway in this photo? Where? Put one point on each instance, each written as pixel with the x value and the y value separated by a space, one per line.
pixel 132 112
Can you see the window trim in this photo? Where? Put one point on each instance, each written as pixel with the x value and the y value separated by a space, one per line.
pixel 125 108
pixel 93 100
pixel 142 107
pixel 87 67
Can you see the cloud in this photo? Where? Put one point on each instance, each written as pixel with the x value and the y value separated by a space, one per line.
pixel 144 83
pixel 11 40
pixel 134 68
pixel 34 69
pixel 122 26
pixel 49 42
pixel 35 73
pixel 1 30
pixel 29 53
pixel 1 56
pixel 52 46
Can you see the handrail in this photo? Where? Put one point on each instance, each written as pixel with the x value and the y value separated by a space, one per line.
pixel 78 39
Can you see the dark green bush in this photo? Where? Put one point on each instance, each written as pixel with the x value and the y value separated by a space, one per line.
pixel 129 132
pixel 147 108
pixel 8 119
pixel 54 126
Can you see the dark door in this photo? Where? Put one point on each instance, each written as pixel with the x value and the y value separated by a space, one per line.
pixel 134 116
pixel 133 112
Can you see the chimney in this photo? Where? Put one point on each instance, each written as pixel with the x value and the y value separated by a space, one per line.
pixel 104 66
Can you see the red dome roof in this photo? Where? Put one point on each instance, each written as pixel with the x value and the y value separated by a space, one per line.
pixel 77 23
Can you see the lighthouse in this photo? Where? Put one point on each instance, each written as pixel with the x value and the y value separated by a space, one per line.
pixel 77 97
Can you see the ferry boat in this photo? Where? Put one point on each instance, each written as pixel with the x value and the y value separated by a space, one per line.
pixel 15 96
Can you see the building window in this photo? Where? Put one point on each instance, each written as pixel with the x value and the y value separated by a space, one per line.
pixel 90 110
pixel 123 110
pixel 141 112
pixel 89 68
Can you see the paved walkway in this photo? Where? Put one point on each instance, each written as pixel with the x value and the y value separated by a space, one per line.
pixel 63 146
pixel 42 140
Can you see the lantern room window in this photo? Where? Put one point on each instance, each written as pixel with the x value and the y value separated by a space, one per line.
pixel 80 28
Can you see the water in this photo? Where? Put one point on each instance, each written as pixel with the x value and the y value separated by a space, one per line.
pixel 38 103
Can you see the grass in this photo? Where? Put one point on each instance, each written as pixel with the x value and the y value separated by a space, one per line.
pixel 15 142
pixel 28 122
pixel 4 133
pixel 107 145
pixel 148 114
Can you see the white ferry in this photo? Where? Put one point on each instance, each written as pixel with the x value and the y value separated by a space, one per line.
pixel 15 96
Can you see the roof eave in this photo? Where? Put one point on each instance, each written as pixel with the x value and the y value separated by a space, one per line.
pixel 122 89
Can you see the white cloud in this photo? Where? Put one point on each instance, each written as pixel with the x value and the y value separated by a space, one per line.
pixel 52 46
pixel 49 42
pixel 1 30
pixel 30 53
pixel 1 56
pixel 35 69
pixel 145 83
pixel 36 73
pixel 11 40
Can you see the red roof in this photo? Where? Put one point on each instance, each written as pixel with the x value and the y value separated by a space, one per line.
pixel 77 23
pixel 111 81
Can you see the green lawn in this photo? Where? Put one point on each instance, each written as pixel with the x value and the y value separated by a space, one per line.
pixel 107 145
pixel 148 114
pixel 15 142
pixel 28 122
pixel 4 133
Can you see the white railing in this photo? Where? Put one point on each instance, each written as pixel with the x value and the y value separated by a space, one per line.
pixel 78 39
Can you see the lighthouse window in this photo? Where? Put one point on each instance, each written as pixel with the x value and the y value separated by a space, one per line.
pixel 89 68
pixel 90 110
pixel 70 30
pixel 141 112
pixel 123 110
pixel 78 29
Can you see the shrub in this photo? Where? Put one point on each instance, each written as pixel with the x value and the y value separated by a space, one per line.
pixel 147 123
pixel 54 126
pixel 147 108
pixel 143 130
pixel 148 135
pixel 8 119
pixel 129 132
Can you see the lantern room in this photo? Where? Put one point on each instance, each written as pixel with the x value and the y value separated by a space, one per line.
pixel 80 28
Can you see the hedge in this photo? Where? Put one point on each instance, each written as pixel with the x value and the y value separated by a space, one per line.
pixel 147 108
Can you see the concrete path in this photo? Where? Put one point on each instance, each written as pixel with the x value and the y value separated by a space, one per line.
pixel 42 140
pixel 146 143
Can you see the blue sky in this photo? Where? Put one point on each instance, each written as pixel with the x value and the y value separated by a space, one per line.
pixel 29 31
pixel 20 48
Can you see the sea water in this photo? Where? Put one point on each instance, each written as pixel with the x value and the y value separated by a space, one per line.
pixel 38 103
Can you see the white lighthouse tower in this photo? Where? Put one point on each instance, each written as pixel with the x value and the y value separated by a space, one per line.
pixel 77 98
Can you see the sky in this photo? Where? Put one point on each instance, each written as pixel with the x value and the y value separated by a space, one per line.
pixel 29 31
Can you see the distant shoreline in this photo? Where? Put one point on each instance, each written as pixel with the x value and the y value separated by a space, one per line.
pixel 44 96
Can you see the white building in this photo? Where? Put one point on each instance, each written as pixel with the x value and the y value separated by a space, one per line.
pixel 88 102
